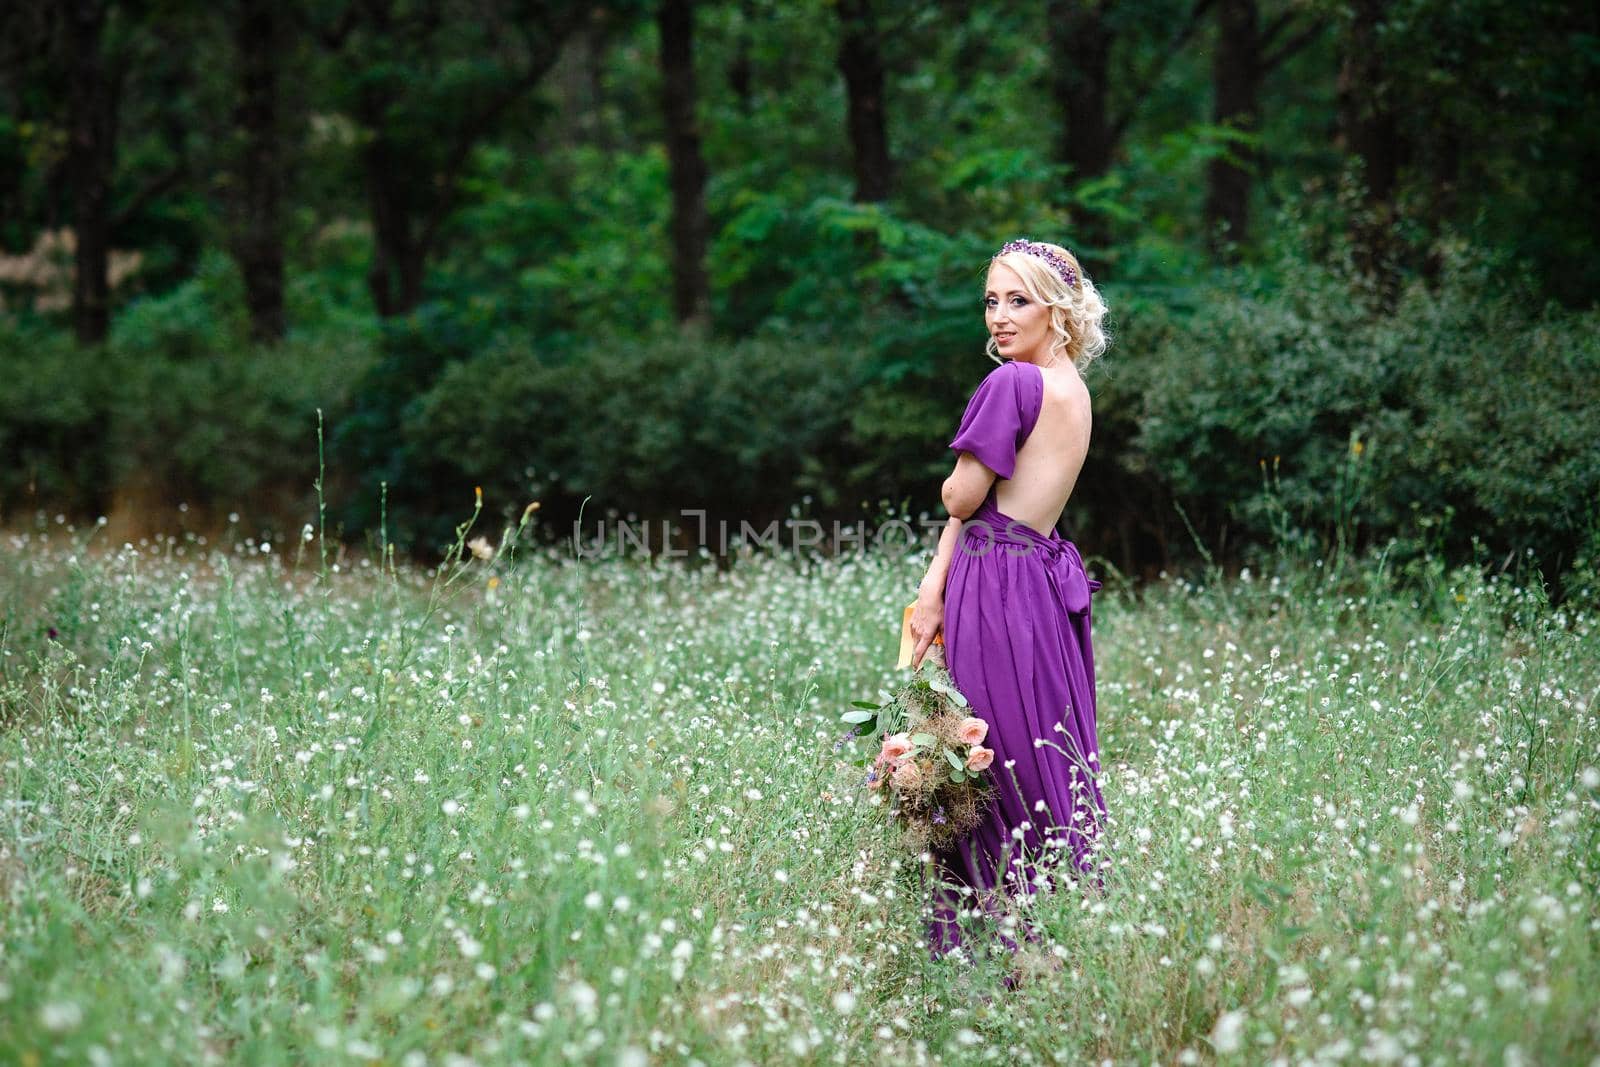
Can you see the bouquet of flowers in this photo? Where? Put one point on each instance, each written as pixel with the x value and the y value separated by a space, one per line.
pixel 925 756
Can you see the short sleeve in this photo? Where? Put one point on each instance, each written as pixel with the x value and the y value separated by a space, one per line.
pixel 999 417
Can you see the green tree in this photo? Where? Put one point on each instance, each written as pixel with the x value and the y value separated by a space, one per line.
pixel 426 83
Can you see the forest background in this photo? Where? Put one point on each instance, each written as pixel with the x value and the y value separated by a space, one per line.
pixel 729 257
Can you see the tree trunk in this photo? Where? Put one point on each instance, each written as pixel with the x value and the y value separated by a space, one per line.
pixel 861 63
pixel 1371 133
pixel 741 70
pixel 1236 72
pixel 690 289
pixel 1080 39
pixel 395 277
pixel 594 47
pixel 1444 175
pixel 258 238
pixel 973 55
pixel 91 155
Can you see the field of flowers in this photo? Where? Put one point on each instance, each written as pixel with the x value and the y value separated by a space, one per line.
pixel 256 809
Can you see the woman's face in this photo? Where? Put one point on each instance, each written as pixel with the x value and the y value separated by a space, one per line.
pixel 1019 324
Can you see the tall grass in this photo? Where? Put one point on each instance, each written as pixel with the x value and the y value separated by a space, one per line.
pixel 543 810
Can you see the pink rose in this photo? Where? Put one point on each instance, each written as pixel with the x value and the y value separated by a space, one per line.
pixel 895 746
pixel 907 776
pixel 979 758
pixel 972 731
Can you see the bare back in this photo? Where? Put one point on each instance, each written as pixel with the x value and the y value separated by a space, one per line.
pixel 1049 460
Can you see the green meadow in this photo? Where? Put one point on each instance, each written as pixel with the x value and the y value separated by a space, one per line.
pixel 270 804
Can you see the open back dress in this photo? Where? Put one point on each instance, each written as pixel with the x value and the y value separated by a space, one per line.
pixel 1016 641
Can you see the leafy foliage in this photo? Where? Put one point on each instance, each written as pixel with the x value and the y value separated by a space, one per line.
pixel 1293 407
pixel 52 422
pixel 476 224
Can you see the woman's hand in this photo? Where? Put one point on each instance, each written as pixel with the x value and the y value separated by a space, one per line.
pixel 927 622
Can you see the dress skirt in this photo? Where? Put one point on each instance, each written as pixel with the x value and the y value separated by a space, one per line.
pixel 1017 643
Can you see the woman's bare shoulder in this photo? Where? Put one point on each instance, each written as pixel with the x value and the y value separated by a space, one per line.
pixel 1066 384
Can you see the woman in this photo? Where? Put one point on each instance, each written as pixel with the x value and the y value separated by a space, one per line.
pixel 1011 596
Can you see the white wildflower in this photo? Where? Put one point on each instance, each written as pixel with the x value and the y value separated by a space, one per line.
pixel 1228 1033
pixel 59 1016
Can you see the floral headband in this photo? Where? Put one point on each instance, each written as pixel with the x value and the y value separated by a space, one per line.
pixel 1062 268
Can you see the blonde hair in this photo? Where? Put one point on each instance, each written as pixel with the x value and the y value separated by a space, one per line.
pixel 1076 311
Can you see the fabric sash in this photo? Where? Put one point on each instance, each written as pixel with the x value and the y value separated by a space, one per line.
pixel 992 530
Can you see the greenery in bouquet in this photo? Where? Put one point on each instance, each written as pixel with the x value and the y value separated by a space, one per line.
pixel 925 758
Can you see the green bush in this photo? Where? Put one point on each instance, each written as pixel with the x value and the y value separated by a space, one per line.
pixel 645 425
pixel 1506 392
pixel 383 473
pixel 1291 406
pixel 1280 404
pixel 53 426
pixel 200 413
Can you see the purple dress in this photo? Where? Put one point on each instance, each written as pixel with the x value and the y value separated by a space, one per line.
pixel 1016 633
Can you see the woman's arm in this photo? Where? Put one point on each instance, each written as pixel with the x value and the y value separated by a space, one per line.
pixel 967 487
pixel 927 618
pixel 933 582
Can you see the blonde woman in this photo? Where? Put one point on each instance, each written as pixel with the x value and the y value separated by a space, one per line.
pixel 1010 595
